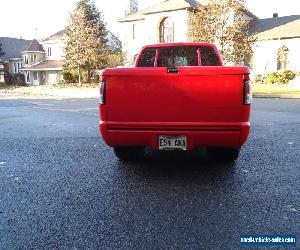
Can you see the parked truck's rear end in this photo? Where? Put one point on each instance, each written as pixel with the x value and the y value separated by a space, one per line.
pixel 178 97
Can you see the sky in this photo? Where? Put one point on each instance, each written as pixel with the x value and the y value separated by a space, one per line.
pixel 40 18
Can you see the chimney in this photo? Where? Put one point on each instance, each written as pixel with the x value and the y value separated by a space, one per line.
pixel 275 14
pixel 133 6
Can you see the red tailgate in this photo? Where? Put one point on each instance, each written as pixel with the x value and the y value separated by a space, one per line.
pixel 193 95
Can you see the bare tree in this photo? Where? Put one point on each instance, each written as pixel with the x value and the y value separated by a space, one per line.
pixel 226 23
pixel 86 43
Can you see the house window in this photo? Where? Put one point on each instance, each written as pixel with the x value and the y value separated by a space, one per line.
pixel 92 75
pixel 282 57
pixel 31 58
pixel 35 76
pixel 34 58
pixel 166 30
pixel 133 31
pixel 26 59
pixel 49 51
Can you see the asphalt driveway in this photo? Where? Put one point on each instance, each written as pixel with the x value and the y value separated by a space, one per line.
pixel 61 187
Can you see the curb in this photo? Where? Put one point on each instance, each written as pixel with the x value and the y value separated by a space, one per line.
pixel 45 95
pixel 280 96
pixel 8 94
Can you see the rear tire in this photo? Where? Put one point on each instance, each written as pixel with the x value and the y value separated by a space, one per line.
pixel 224 154
pixel 129 153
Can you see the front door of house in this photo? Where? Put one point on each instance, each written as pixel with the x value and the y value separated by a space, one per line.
pixel 35 78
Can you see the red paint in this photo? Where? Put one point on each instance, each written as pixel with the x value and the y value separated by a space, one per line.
pixel 204 103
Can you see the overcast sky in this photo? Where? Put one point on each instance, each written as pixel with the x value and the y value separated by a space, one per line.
pixel 25 18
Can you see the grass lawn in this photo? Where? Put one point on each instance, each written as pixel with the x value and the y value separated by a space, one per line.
pixel 57 86
pixel 61 90
pixel 259 88
pixel 68 89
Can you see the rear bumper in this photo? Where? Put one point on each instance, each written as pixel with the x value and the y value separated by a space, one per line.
pixel 232 135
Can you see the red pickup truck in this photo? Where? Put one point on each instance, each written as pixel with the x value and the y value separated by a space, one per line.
pixel 177 97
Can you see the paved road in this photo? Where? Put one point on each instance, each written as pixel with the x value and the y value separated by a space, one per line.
pixel 62 188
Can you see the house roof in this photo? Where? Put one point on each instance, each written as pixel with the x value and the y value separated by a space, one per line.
pixel 133 17
pixel 12 47
pixel 170 5
pixel 34 45
pixel 276 27
pixel 57 36
pixel 167 5
pixel 46 65
pixel 113 41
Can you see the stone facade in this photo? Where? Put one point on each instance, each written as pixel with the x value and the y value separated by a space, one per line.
pixel 273 34
pixel 265 57
pixel 139 33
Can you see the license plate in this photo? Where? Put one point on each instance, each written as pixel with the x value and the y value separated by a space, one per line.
pixel 166 142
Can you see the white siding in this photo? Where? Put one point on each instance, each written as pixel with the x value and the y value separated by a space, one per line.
pixel 265 55
pixel 147 31
pixel 57 50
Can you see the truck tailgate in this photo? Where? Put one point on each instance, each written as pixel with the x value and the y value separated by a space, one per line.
pixel 193 95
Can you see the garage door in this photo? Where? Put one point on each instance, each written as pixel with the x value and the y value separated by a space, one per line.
pixel 52 78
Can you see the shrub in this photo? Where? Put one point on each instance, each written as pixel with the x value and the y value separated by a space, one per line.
pixel 115 59
pixel 7 78
pixel 287 76
pixel 280 77
pixel 70 77
pixel 67 77
pixel 272 77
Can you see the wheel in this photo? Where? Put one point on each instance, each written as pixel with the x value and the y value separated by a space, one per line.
pixel 129 153
pixel 224 154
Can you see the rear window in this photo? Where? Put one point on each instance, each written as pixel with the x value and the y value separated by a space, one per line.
pixel 147 58
pixel 178 56
pixel 208 57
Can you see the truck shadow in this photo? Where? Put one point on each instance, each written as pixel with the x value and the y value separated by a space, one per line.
pixel 179 164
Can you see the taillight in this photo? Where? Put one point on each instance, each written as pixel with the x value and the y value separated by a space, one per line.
pixel 247 92
pixel 102 97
